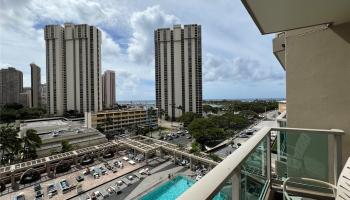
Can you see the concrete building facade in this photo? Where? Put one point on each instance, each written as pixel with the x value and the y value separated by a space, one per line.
pixel 11 85
pixel 73 68
pixel 25 97
pixel 35 85
pixel 43 95
pixel 108 89
pixel 178 70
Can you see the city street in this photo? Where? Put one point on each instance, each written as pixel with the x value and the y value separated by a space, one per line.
pixel 269 121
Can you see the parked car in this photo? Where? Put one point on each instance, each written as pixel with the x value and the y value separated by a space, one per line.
pixel 114 170
pixel 64 185
pixel 103 170
pixel 116 163
pixel 108 166
pixel 19 197
pixel 189 137
pixel 51 190
pixel 80 178
pixel 38 194
pixel 37 187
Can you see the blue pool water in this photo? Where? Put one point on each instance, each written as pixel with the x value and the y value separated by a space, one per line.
pixel 173 189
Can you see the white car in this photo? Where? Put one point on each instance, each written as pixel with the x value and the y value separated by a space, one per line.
pixel 119 183
pixel 125 158
pixel 132 162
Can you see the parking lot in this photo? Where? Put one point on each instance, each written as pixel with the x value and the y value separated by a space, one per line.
pixel 182 139
pixel 88 183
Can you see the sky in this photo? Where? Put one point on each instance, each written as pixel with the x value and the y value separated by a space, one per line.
pixel 237 60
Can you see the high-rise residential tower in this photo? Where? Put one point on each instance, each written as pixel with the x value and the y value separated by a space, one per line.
pixel 108 91
pixel 178 70
pixel 35 86
pixel 73 68
pixel 25 97
pixel 43 97
pixel 11 85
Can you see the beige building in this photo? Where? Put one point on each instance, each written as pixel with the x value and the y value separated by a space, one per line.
pixel 108 89
pixel 11 85
pixel 114 120
pixel 25 97
pixel 178 69
pixel 73 68
pixel 282 106
pixel 35 85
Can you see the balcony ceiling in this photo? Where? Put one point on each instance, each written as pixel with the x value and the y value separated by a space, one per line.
pixel 273 16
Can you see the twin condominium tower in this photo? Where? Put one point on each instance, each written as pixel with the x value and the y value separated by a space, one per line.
pixel 178 62
pixel 73 70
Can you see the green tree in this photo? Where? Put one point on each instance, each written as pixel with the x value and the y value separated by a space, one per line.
pixel 108 121
pixel 66 146
pixel 31 141
pixel 9 142
pixel 195 147
pixel 188 117
pixel 209 108
pixel 205 132
pixel 99 128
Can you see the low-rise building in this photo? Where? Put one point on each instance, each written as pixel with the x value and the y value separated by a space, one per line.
pixel 53 130
pixel 115 120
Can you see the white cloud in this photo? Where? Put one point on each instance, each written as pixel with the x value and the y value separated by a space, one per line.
pixel 235 49
pixel 218 68
pixel 143 24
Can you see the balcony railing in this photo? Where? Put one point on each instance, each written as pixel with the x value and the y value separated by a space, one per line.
pixel 251 171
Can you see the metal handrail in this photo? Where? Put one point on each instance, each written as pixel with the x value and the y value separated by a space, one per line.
pixel 216 178
pixel 285 193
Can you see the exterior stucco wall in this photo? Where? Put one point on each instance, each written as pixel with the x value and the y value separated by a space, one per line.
pixel 318 81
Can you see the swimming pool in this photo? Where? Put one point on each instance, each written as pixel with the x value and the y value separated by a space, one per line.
pixel 173 189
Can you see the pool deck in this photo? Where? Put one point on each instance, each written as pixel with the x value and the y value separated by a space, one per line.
pixel 154 180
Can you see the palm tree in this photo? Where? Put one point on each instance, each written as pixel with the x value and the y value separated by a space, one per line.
pixel 31 141
pixel 9 141
pixel 66 146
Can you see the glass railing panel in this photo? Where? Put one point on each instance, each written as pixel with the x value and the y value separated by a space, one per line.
pixel 254 173
pixel 225 192
pixel 307 155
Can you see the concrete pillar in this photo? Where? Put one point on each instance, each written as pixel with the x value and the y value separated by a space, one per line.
pixel 146 158
pixel 75 160
pixel 13 181
pixel 236 185
pixel 191 164
pixel 161 153
pixel 48 167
